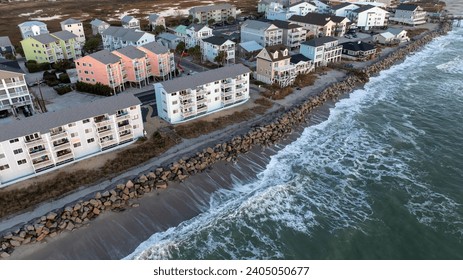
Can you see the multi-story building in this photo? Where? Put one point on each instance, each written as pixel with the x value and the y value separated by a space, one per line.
pixel 217 12
pixel 302 8
pixel 262 5
pixel 160 63
pixel 358 50
pixel 322 24
pixel 98 26
pixel 69 45
pixel 274 66
pixel 32 28
pixel 344 9
pixel 116 37
pixel 51 47
pixel 75 27
pixel 368 17
pixel 14 95
pixel 264 33
pixel 302 64
pixel 188 97
pixel 6 47
pixel 136 65
pixel 322 50
pixel 102 67
pixel 391 36
pixel 293 34
pixel 323 6
pixel 130 22
pixel 196 33
pixel 48 141
pixel 213 45
pixel 409 14
pixel 156 20
pixel 276 11
pixel 169 40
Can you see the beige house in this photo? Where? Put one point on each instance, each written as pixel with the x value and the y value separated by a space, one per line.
pixel 322 24
pixel 274 66
pixel 217 12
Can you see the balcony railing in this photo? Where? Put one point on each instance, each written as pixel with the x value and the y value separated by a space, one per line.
pixel 125 137
pixel 38 153
pixel 103 122
pixel 62 146
pixel 42 163
pixel 105 132
pixel 34 141
pixel 201 109
pixel 108 143
pixel 188 114
pixel 125 127
pixel 12 84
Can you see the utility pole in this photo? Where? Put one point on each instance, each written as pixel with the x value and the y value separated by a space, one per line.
pixel 44 108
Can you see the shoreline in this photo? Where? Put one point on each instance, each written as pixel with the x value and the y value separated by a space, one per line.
pixel 262 136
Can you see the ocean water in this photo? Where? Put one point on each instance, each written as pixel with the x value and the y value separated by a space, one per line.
pixel 382 178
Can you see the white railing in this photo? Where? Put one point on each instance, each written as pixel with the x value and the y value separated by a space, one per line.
pixel 12 84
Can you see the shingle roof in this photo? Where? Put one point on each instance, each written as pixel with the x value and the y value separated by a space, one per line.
pixel 70 21
pixel 216 40
pixel 358 46
pixel 295 59
pixel 64 35
pixel 105 57
pixel 251 46
pixel 301 2
pixel 181 29
pixel 44 38
pixel 97 22
pixel 131 52
pixel 5 41
pixel 210 8
pixel 394 31
pixel 277 48
pixel 10 65
pixel 196 27
pixel 285 24
pixel 364 8
pixel 31 23
pixel 202 78
pixel 156 47
pixel 407 7
pixel 316 42
pixel 126 34
pixel 44 122
pixel 153 17
pixel 256 24
pixel 168 36
pixel 340 6
pixel 316 19
pixel 127 18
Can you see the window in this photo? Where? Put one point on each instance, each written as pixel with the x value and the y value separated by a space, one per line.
pixel 18 151
pixel 86 72
pixel 133 108
pixel 86 121
pixel 217 98
pixel 175 111
pixel 74 134
pixel 173 94
pixel 216 90
pixel 135 126
pixel 91 140
pixel 88 130
pixel 4 167
pixel 20 162
pixel 78 144
pixel 174 102
pixel 2 156
pixel 72 124
pixel 84 64
pixel 135 117
pixel 216 82
pixel 14 140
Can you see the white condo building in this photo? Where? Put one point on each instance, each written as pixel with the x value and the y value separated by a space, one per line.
pixel 322 50
pixel 47 141
pixel 75 27
pixel 14 94
pixel 116 37
pixel 188 97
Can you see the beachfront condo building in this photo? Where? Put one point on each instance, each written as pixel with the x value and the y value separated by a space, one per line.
pixel 51 47
pixel 31 146
pixel 409 14
pixel 322 50
pixel 75 27
pixel 319 25
pixel 102 67
pixel 189 97
pixel 274 66
pixel 160 61
pixel 264 33
pixel 98 26
pixel 212 46
pixel 135 64
pixel 14 94
pixel 32 28
pixel 293 34
pixel 368 17
pixel 218 12
pixel 116 37
pixel 196 33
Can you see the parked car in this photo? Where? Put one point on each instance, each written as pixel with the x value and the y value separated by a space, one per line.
pixel 347 36
pixel 298 88
pixel 3 114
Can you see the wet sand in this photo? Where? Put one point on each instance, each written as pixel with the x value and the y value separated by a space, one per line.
pixel 116 235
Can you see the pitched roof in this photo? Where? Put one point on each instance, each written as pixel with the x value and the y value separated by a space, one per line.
pixel 97 22
pixel 126 34
pixel 316 42
pixel 210 8
pixel 301 2
pixel 64 35
pixel 192 81
pixel 44 122
pixel 44 38
pixel 216 40
pixel 277 48
pixel 407 7
pixel 10 66
pixel 153 17
pixel 196 27
pixel 387 35
pixel 395 31
pixel 342 5
pixel 156 47
pixel 251 46
pixel 285 24
pixel 105 57
pixel 295 59
pixel 316 19
pixel 364 8
pixel 31 23
pixel 5 41
pixel 130 52
pixel 127 18
pixel 181 29
pixel 168 36
pixel 70 21
pixel 358 46
pixel 256 24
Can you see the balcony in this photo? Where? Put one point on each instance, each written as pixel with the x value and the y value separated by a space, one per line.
pixel 186 95
pixel 38 152
pixel 19 93
pixel 125 136
pixel 44 162
pixel 58 134
pixel 226 102
pixel 35 141
pixel 105 132
pixel 201 109
pixel 13 84
pixel 64 156
pixel 99 122
pixel 240 81
pixel 188 114
pixel 122 117
pixel 61 145
pixel 124 127
pixel 107 143
pixel 200 101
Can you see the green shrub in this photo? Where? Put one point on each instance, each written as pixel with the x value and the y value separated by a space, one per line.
pixel 64 78
pixel 62 90
pixel 98 88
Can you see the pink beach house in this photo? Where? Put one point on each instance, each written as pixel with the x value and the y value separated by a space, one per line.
pixel 135 63
pixel 160 60
pixel 102 67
